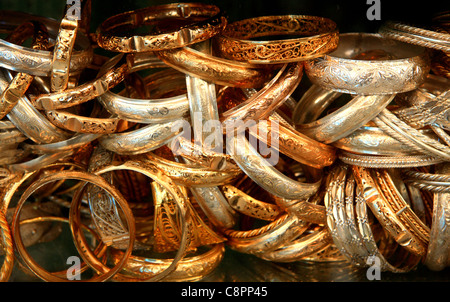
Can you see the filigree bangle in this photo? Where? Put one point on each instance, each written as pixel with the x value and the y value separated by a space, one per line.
pixel 235 41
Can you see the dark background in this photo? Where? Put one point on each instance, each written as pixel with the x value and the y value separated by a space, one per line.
pixel 350 16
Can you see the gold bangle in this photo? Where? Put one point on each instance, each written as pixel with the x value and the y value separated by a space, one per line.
pixel 345 120
pixel 191 175
pixel 141 140
pixel 215 69
pixel 81 124
pixel 189 269
pixel 74 221
pixel 7 247
pixel 39 62
pixel 392 218
pixel 63 49
pixel 212 22
pixel 247 205
pixel 101 164
pixel 371 140
pixel 426 105
pixel 270 97
pixel 300 248
pixel 155 109
pixel 235 41
pixel 110 75
pixel 369 64
pixel 265 174
pixel 266 238
pixel 296 145
pixel 19 85
pixel 100 250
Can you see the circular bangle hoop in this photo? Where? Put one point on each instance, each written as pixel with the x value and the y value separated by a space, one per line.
pixel 74 221
pixel 212 22
pixel 235 41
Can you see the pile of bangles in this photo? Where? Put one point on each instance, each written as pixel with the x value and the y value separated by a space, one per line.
pixel 170 135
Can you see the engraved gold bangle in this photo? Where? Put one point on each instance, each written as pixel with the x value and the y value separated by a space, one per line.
pixel 154 110
pixel 437 257
pixel 388 161
pixel 261 171
pixel 425 144
pixel 354 67
pixel 346 119
pixel 298 249
pixel 267 238
pixel 110 75
pixel 235 41
pixel 206 22
pixel 189 269
pixel 82 124
pixel 296 145
pixel 62 51
pixel 371 140
pixel 395 216
pixel 39 62
pixel 21 81
pixel 215 69
pixel 416 35
pixel 193 175
pixel 247 205
pixel 141 139
pixel 399 263
pixel 269 98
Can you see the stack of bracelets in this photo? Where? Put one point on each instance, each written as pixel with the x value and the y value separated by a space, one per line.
pixel 161 151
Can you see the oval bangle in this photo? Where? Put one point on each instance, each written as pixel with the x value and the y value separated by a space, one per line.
pixel 402 67
pixel 213 21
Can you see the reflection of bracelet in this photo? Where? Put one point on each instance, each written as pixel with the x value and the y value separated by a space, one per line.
pixel 235 42
pixel 212 22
